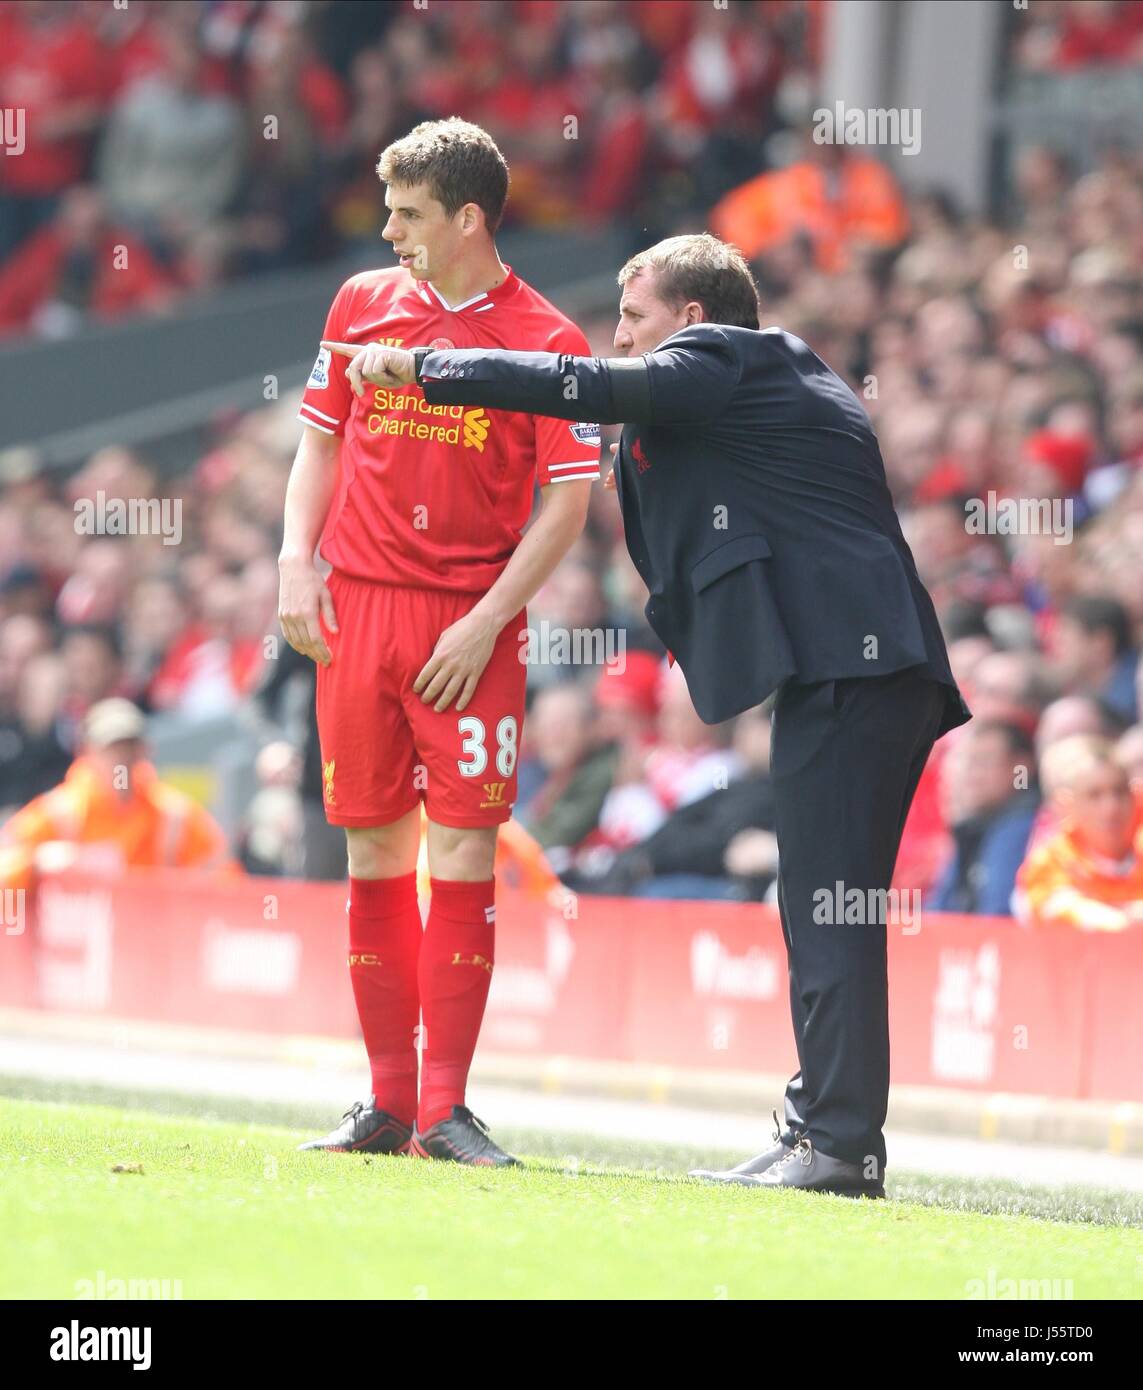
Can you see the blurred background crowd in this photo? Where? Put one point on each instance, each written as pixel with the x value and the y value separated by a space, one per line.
pixel 997 355
pixel 147 126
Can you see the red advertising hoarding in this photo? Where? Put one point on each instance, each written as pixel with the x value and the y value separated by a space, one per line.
pixel 974 1002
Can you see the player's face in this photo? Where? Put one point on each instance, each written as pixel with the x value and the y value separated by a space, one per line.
pixel 645 319
pixel 422 234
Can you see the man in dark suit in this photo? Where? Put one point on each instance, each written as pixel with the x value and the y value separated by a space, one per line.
pixel 756 510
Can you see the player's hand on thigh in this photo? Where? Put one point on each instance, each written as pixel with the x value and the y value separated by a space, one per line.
pixel 303 597
pixel 457 663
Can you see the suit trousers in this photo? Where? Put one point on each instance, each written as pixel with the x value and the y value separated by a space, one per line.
pixel 846 757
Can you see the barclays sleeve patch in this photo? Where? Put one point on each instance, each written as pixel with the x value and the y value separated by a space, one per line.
pixel 586 434
pixel 319 377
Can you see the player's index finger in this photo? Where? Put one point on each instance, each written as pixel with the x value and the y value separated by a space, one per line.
pixel 345 349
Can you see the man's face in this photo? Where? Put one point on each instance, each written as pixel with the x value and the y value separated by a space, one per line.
pixel 426 239
pixel 1100 805
pixel 559 728
pixel 645 319
pixel 1079 654
pixel 978 775
pixel 90 665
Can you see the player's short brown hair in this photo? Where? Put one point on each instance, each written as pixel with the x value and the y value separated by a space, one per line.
pixel 701 267
pixel 458 160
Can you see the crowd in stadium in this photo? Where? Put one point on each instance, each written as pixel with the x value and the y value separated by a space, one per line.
pixel 234 137
pixel 1002 360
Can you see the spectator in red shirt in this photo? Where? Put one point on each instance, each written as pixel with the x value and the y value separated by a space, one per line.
pixel 1098 32
pixel 79 265
pixel 52 80
pixel 218 658
pixel 136 44
pixel 614 172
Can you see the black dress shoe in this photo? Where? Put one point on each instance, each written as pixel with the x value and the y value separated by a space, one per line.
pixel 751 1167
pixel 805 1168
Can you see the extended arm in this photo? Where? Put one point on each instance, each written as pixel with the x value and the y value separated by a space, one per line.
pixel 687 381
pixel 610 390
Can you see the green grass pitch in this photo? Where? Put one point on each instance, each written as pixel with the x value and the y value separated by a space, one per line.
pixel 230 1210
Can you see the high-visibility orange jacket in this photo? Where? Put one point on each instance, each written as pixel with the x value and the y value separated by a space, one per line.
pixel 864 206
pixel 521 861
pixel 1062 881
pixel 156 825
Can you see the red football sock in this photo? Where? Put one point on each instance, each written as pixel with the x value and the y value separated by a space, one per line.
pixel 455 973
pixel 384 944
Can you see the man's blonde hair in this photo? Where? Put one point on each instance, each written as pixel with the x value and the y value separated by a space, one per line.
pixel 702 268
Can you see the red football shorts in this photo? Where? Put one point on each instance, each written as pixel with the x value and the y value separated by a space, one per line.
pixel 384 750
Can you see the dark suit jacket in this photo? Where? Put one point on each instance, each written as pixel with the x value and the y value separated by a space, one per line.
pixel 754 503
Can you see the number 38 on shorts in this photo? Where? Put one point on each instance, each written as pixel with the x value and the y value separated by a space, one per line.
pixel 475 750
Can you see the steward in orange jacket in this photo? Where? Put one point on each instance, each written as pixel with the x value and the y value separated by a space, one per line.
pixel 1089 874
pixel 837 199
pixel 112 797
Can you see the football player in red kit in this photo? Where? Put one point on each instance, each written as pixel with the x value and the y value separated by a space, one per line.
pixel 417 631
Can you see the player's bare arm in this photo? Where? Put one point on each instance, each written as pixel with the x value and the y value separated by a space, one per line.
pixel 463 650
pixel 302 593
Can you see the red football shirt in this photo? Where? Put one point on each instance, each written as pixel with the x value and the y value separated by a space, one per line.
pixel 436 497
